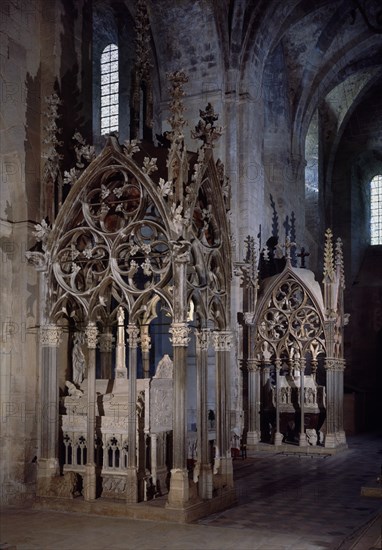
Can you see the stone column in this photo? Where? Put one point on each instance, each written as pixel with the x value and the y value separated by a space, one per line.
pixel 205 476
pixel 120 355
pixel 179 487
pixel 48 463
pixel 145 347
pixel 253 435
pixel 106 348
pixel 330 437
pixel 339 421
pixel 132 479
pixel 223 462
pixel 302 436
pixel 278 439
pixel 91 333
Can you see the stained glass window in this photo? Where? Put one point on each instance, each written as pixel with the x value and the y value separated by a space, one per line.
pixel 109 89
pixel 376 210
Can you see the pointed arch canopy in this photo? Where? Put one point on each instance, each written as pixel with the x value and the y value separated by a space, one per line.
pixel 113 240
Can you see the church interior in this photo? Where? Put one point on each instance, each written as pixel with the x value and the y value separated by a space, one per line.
pixel 191 237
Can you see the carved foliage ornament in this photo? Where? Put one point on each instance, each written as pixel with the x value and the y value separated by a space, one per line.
pixel 133 333
pixel 180 332
pixel 50 336
pixel 222 340
pixel 202 339
pixel 91 332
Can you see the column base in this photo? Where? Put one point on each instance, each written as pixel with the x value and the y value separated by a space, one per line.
pixel 223 479
pixel 278 439
pixel 253 438
pixel 48 470
pixel 131 486
pixel 179 489
pixel 330 441
pixel 302 442
pixel 205 482
pixel 90 480
pixel 341 437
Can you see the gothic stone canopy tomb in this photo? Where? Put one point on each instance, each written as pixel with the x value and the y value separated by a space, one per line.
pixel 140 248
pixel 172 169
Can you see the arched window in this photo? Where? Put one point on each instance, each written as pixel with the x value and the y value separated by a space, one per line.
pixel 109 89
pixel 376 209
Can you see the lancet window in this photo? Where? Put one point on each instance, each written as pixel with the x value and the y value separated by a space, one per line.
pixel 109 89
pixel 376 210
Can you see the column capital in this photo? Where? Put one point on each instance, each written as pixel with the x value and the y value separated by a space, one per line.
pixel 334 364
pixel 330 363
pixel 91 332
pixel 180 332
pixel 50 335
pixel 300 364
pixel 253 365
pixel 222 340
pixel 133 334
pixel 202 338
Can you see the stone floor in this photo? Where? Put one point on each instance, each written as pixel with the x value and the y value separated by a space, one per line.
pixel 285 502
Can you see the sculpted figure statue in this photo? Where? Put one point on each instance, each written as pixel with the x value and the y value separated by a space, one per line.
pixel 78 359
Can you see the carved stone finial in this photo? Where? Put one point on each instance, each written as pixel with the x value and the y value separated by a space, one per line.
pixel 288 247
pixel 249 273
pixel 340 262
pixel 328 255
pixel 177 120
pixel 51 174
pixel 205 129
